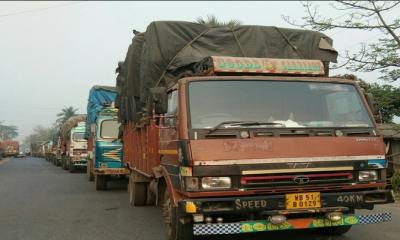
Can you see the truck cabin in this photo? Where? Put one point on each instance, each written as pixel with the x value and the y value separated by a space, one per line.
pixel 264 122
pixel 78 143
pixel 108 146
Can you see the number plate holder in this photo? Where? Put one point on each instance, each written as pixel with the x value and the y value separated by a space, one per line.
pixel 303 200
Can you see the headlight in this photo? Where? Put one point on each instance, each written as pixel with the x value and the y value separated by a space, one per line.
pixel 215 182
pixel 191 183
pixel 370 175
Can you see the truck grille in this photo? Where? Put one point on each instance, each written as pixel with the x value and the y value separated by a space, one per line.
pixel 254 182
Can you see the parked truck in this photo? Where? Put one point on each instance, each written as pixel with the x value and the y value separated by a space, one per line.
pixel 48 150
pixel 104 147
pixel 241 130
pixel 37 149
pixel 10 148
pixel 1 150
pixel 73 145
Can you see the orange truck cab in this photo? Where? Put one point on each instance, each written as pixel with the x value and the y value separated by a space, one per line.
pixel 257 144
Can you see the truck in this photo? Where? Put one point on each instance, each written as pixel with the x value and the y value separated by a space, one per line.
pixel 241 130
pixel 73 145
pixel 104 147
pixel 48 150
pixel 36 148
pixel 10 148
pixel 1 150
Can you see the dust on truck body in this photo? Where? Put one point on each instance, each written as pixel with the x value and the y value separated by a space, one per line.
pixel 104 148
pixel 259 140
pixel 73 143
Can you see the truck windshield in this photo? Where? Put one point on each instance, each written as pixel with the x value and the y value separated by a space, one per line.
pixel 275 104
pixel 109 129
pixel 78 137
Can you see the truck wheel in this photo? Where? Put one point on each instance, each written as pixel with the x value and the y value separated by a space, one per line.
pixel 137 192
pixel 101 182
pixel 176 230
pixel 71 168
pixel 89 171
pixel 63 163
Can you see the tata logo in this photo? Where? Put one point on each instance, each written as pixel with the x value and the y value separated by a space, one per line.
pixel 301 179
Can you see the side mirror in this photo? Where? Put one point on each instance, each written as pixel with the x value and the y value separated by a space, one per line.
pixel 160 99
pixel 371 103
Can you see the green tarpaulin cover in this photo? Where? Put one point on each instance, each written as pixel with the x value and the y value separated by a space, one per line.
pixel 169 49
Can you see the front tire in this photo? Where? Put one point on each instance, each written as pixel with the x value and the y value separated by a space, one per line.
pixel 176 230
pixel 89 170
pixel 64 163
pixel 71 167
pixel 101 182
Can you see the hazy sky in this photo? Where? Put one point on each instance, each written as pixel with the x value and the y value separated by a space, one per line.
pixel 50 58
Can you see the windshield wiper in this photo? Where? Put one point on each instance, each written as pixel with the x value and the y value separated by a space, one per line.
pixel 242 123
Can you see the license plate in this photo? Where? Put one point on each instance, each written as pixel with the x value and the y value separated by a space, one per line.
pixel 303 200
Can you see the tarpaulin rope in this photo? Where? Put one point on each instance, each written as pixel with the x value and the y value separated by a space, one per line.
pixel 288 41
pixel 184 47
pixel 238 42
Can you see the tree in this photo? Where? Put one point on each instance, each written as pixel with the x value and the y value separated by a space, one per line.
pixel 8 132
pixel 40 134
pixel 387 99
pixel 212 21
pixel 382 55
pixel 65 114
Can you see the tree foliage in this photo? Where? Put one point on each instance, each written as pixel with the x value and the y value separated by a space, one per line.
pixel 387 99
pixel 39 134
pixel 213 21
pixel 8 132
pixel 65 114
pixel 379 16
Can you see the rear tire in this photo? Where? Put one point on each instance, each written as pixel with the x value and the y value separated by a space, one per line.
pixel 176 230
pixel 101 182
pixel 89 170
pixel 137 192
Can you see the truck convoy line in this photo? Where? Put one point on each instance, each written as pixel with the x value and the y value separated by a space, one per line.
pixel 235 130
pixel 242 130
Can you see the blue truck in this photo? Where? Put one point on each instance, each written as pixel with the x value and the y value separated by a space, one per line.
pixel 104 147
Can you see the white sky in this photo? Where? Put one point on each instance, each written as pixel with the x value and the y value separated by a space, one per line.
pixel 51 58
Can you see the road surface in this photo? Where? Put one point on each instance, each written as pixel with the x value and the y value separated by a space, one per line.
pixel 39 201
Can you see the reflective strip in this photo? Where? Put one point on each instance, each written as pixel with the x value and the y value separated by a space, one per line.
pixel 303 223
pixel 290 160
pixel 295 170
pixel 168 152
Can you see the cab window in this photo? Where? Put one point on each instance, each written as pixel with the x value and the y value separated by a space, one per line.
pixel 172 108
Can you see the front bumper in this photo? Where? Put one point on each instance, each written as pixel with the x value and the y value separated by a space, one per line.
pixel 82 162
pixel 111 171
pixel 239 212
pixel 299 223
